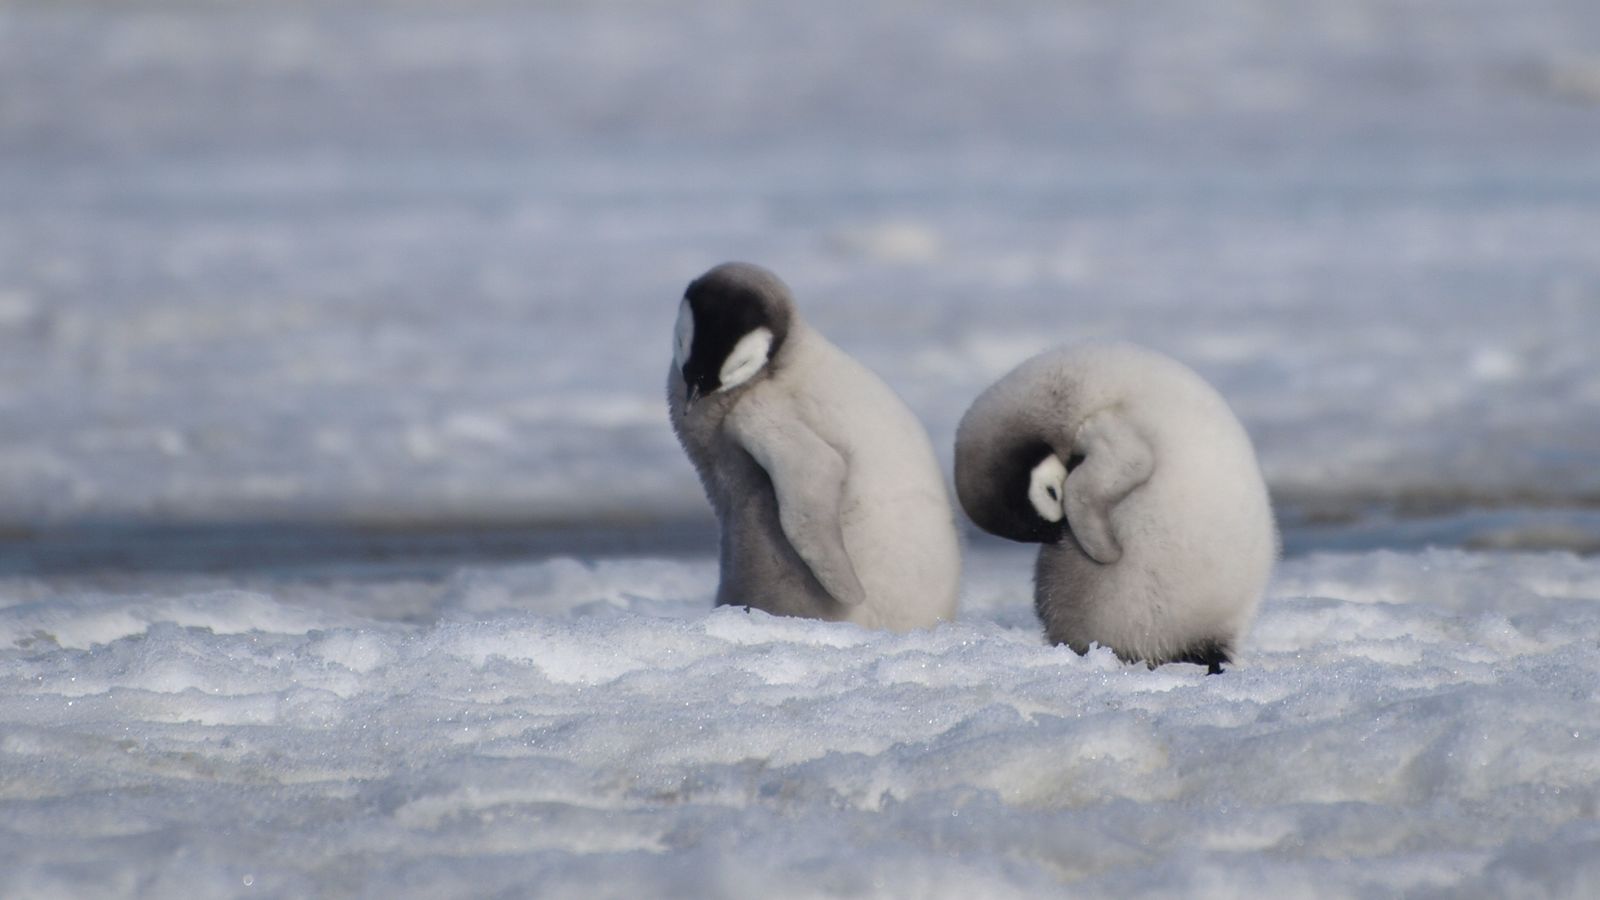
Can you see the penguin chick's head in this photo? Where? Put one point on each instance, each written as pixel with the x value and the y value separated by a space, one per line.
pixel 1027 499
pixel 1047 489
pixel 731 323
pixel 1035 492
pixel 1014 489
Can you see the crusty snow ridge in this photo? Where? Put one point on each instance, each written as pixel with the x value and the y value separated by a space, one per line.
pixel 1395 723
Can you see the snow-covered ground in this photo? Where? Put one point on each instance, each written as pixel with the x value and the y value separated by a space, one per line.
pixel 391 261
pixel 1398 724
pixel 310 310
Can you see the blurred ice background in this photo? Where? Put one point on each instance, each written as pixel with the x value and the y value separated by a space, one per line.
pixel 306 306
pixel 362 263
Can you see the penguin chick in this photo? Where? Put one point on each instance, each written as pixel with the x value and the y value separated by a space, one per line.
pixel 1156 529
pixel 829 498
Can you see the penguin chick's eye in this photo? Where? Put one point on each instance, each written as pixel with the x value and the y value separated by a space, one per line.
pixel 683 335
pixel 746 358
pixel 1046 484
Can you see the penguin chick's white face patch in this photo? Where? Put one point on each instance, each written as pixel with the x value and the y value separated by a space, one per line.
pixel 746 359
pixel 683 335
pixel 1047 488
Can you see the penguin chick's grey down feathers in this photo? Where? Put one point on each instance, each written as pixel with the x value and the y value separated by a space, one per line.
pixel 1141 485
pixel 828 495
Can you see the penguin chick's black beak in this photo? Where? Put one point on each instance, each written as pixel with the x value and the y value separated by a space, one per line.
pixel 691 396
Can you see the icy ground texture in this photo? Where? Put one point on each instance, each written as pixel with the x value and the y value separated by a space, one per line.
pixel 355 261
pixel 1421 723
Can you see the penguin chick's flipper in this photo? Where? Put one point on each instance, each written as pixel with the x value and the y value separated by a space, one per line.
pixel 1116 459
pixel 808 477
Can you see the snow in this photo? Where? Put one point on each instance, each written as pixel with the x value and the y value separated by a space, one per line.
pixel 381 262
pixel 345 549
pixel 1414 723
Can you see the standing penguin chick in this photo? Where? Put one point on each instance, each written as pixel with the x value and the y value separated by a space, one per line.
pixel 827 491
pixel 1142 486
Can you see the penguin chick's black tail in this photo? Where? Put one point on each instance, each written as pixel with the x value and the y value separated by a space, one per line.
pixel 1211 654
